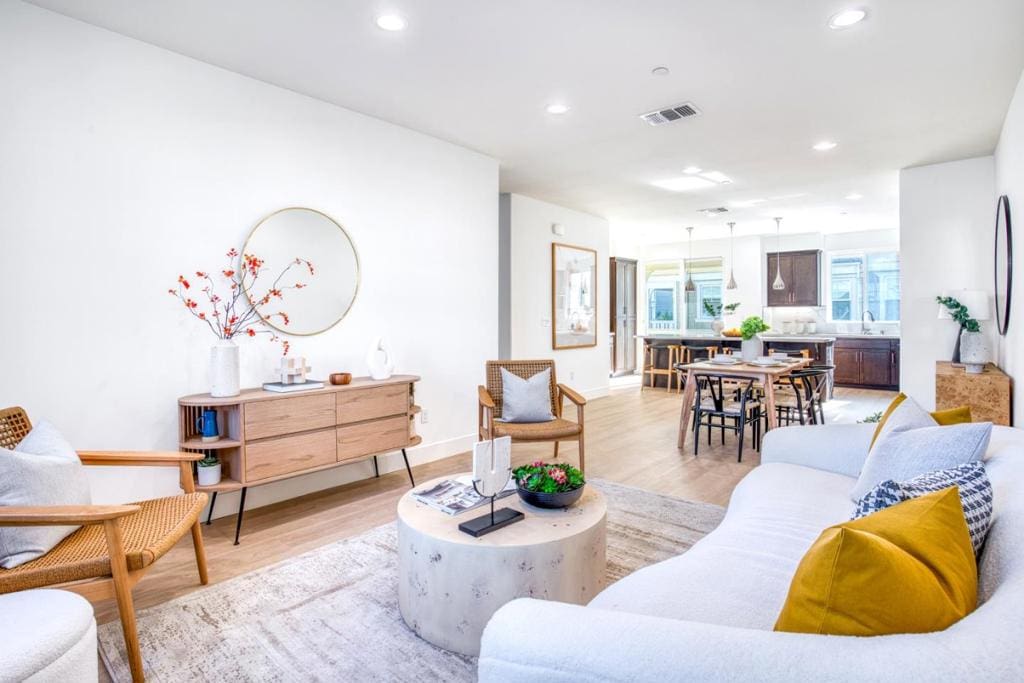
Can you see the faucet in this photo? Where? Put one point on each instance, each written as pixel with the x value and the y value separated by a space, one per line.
pixel 863 325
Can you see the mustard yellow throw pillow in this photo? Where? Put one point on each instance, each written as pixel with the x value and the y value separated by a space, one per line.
pixel 909 568
pixel 950 416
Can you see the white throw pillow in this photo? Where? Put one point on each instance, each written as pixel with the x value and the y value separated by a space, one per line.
pixel 42 470
pixel 526 400
pixel 906 449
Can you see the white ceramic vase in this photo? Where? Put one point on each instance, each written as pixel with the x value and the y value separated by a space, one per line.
pixel 208 475
pixel 717 325
pixel 750 349
pixel 379 360
pixel 974 352
pixel 224 369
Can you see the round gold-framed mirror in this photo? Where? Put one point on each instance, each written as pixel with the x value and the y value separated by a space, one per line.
pixel 299 241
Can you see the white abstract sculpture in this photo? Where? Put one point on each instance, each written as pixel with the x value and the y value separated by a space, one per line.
pixel 293 370
pixel 492 465
pixel 379 360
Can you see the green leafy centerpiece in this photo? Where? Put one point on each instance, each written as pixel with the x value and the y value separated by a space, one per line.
pixel 549 486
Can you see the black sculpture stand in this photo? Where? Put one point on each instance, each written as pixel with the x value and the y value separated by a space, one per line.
pixel 485 524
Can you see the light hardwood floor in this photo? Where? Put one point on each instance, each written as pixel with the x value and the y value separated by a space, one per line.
pixel 631 438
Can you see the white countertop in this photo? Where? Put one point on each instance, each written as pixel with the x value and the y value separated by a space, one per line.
pixel 816 338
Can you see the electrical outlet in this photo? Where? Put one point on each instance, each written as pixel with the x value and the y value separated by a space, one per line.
pixel 424 417
pixel 572 375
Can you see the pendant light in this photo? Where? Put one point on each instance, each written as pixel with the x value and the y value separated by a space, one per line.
pixel 690 286
pixel 732 259
pixel 778 283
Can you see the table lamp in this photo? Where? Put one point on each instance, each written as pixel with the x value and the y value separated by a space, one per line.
pixel 978 307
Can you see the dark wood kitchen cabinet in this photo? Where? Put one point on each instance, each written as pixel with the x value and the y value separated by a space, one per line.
pixel 801 271
pixel 871 363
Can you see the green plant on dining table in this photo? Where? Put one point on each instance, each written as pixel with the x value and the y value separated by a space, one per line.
pixel 715 309
pixel 752 326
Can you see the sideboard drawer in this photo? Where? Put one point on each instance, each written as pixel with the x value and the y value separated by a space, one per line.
pixel 288 415
pixel 289 454
pixel 366 404
pixel 358 440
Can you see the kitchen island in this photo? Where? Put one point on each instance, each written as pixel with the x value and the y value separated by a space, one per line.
pixel 820 347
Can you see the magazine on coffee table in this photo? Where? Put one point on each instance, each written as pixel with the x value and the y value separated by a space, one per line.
pixel 453 496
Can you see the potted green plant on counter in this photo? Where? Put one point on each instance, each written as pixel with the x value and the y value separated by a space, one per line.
pixel 715 311
pixel 751 346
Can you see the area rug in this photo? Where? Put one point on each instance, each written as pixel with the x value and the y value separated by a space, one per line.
pixel 332 614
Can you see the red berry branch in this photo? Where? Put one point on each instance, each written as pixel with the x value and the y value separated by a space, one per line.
pixel 241 311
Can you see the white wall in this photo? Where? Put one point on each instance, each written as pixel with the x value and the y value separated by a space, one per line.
pixel 1009 163
pixel 123 165
pixel 587 369
pixel 946 213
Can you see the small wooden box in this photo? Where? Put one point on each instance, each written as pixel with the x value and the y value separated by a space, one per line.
pixel 989 394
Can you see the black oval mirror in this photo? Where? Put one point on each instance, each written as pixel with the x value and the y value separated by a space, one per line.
pixel 1003 264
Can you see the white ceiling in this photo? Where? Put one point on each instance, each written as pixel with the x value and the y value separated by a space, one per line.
pixel 918 82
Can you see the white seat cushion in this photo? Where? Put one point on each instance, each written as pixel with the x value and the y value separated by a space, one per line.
pixel 47 635
pixel 738 575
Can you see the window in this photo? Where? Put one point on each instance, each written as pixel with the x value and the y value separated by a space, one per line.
pixel 662 296
pixel 864 281
pixel 670 306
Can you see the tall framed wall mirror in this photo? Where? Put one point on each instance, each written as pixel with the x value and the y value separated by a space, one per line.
pixel 1003 264
pixel 573 296
pixel 329 291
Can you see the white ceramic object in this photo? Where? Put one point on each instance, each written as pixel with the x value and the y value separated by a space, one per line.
pixel 812 328
pixel 224 371
pixel 450 583
pixel 379 360
pixel 974 352
pixel 751 349
pixel 492 465
pixel 717 325
pixel 209 475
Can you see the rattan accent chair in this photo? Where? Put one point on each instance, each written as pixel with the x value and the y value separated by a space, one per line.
pixel 116 544
pixel 556 430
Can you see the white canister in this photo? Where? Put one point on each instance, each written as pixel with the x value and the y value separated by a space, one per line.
pixel 974 352
pixel 208 475
pixel 750 349
pixel 224 371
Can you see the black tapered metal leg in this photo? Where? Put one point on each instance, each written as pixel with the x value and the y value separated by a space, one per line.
pixel 241 509
pixel 376 470
pixel 412 482
pixel 213 501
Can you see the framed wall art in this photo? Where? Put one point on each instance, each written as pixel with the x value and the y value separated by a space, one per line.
pixel 573 297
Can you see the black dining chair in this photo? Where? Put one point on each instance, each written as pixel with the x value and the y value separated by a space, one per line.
pixel 730 399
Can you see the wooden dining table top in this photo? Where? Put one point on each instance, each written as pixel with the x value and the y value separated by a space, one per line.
pixel 745 368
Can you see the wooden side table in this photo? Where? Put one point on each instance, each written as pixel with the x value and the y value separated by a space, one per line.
pixel 989 394
pixel 450 583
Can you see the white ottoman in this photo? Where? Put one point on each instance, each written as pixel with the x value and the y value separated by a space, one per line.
pixel 48 635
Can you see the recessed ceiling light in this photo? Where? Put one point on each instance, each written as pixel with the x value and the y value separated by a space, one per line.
pixel 846 18
pixel 391 22
pixel 717 177
pixel 683 184
pixel 557 108
pixel 692 170
pixel 825 145
pixel 660 71
pixel 854 196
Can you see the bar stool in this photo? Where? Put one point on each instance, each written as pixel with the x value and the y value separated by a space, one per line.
pixel 652 368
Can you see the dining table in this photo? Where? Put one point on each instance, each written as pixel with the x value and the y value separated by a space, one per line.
pixel 766 374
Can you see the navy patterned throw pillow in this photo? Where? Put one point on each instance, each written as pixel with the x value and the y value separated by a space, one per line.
pixel 971 479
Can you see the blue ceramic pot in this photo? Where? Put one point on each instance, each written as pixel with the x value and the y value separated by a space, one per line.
pixel 562 499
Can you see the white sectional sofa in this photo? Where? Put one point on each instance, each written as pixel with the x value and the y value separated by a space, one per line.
pixel 707 615
pixel 47 636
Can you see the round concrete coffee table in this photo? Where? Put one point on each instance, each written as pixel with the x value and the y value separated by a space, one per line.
pixel 450 583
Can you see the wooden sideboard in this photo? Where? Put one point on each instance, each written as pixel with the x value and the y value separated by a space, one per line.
pixel 989 394
pixel 267 436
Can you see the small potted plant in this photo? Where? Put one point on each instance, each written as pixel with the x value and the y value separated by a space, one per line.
pixel 715 311
pixel 751 347
pixel 549 486
pixel 972 347
pixel 208 470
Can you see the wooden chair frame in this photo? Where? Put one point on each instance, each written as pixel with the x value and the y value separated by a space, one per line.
pixel 488 408
pixel 119 584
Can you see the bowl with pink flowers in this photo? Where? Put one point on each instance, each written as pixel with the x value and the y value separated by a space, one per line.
pixel 549 486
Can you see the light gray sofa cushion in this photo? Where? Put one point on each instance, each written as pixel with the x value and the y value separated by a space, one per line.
pixel 526 400
pixel 907 449
pixel 42 470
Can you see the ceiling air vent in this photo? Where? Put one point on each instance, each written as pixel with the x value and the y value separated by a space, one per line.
pixel 714 211
pixel 661 116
